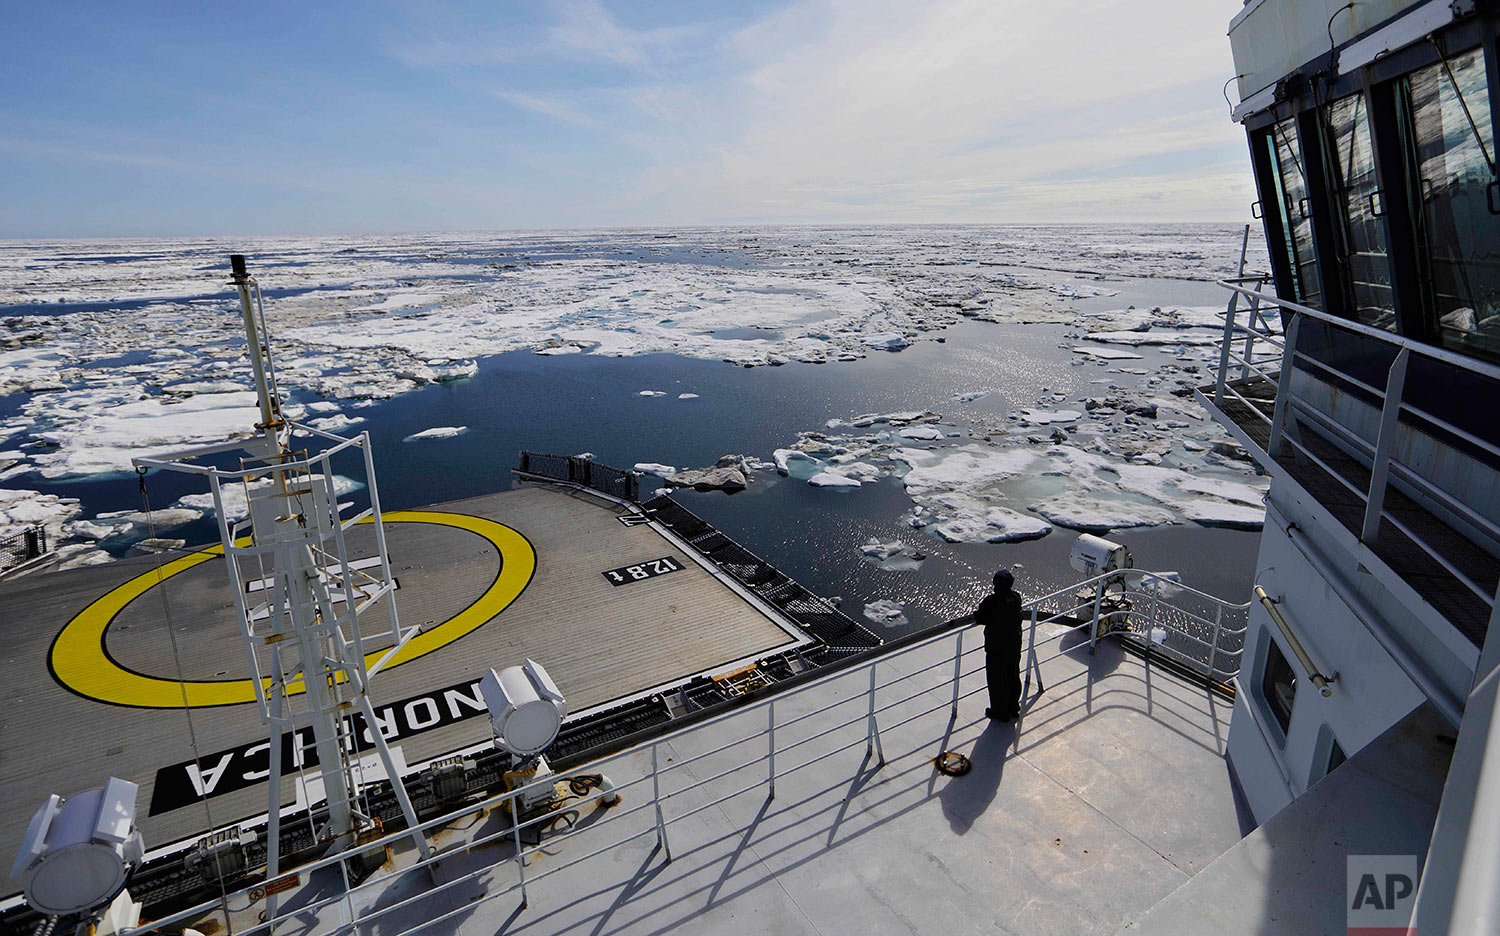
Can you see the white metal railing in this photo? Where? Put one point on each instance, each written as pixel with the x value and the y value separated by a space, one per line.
pixel 1254 345
pixel 1093 596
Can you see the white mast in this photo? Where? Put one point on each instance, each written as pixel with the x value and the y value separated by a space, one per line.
pixel 303 640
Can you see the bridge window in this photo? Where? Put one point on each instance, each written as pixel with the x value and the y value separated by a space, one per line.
pixel 1353 167
pixel 1278 684
pixel 1451 138
pixel 1296 210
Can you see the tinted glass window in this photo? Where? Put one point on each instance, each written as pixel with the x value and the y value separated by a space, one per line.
pixel 1296 210
pixel 1279 686
pixel 1336 757
pixel 1449 113
pixel 1353 167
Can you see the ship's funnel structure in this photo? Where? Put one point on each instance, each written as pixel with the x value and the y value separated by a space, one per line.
pixel 316 629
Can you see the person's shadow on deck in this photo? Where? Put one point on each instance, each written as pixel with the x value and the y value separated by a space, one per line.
pixel 966 798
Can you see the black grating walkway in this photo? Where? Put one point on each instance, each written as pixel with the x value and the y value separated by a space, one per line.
pixel 1437 585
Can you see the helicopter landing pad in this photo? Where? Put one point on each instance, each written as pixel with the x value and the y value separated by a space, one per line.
pixel 136 669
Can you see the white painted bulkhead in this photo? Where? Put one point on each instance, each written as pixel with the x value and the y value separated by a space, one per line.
pixel 1371 692
pixel 1272 38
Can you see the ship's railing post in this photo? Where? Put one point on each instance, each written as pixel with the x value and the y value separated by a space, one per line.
pixel 872 731
pixel 771 743
pixel 1031 661
pixel 1151 617
pixel 1213 651
pixel 1250 319
pixel 1380 469
pixel 958 663
pixel 1284 387
pixel 515 826
pixel 1224 346
pixel 1094 628
pixel 348 912
pixel 661 825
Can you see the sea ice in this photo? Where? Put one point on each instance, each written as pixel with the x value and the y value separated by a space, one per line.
pixel 335 423
pixel 985 524
pixel 105 441
pixel 1228 490
pixel 926 431
pixel 20 509
pixel 889 341
pixel 962 466
pixel 894 556
pixel 1108 354
pixel 1217 513
pixel 885 611
pixel 655 468
pixel 1092 515
pixel 832 479
pixel 236 502
pixel 1044 417
pixel 782 457
pixel 437 432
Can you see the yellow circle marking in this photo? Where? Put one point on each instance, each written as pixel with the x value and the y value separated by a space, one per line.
pixel 79 661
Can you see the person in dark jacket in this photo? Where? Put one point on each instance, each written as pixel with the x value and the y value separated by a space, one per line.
pixel 1000 616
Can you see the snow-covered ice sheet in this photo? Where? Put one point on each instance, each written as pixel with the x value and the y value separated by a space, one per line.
pixel 139 355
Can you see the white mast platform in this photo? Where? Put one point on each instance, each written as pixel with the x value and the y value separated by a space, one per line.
pixel 303 638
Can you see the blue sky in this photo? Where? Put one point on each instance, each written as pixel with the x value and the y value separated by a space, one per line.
pixel 164 119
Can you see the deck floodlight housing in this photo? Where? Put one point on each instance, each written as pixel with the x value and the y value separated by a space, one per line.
pixel 1095 555
pixel 526 708
pixel 78 853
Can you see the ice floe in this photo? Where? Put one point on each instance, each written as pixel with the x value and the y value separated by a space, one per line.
pixel 1094 515
pixel 436 432
pixel 886 612
pixel 894 556
pixel 729 473
pixel 925 431
pixel 236 500
pixel 655 468
pixel 106 441
pixel 833 479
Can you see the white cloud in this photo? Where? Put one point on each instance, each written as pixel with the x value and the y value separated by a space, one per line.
pixel 971 106
pixel 871 110
pixel 586 26
pixel 556 107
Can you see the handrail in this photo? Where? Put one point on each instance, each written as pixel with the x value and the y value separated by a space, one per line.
pixel 868 716
pixel 1292 410
pixel 1483 368
pixel 1324 683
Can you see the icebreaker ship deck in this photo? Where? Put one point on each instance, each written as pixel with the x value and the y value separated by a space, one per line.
pixel 491 580
pixel 1110 793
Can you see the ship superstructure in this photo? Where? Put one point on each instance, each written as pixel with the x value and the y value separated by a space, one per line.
pixel 1362 373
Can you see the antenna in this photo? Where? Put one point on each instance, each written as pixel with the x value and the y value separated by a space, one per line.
pixel 302 636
